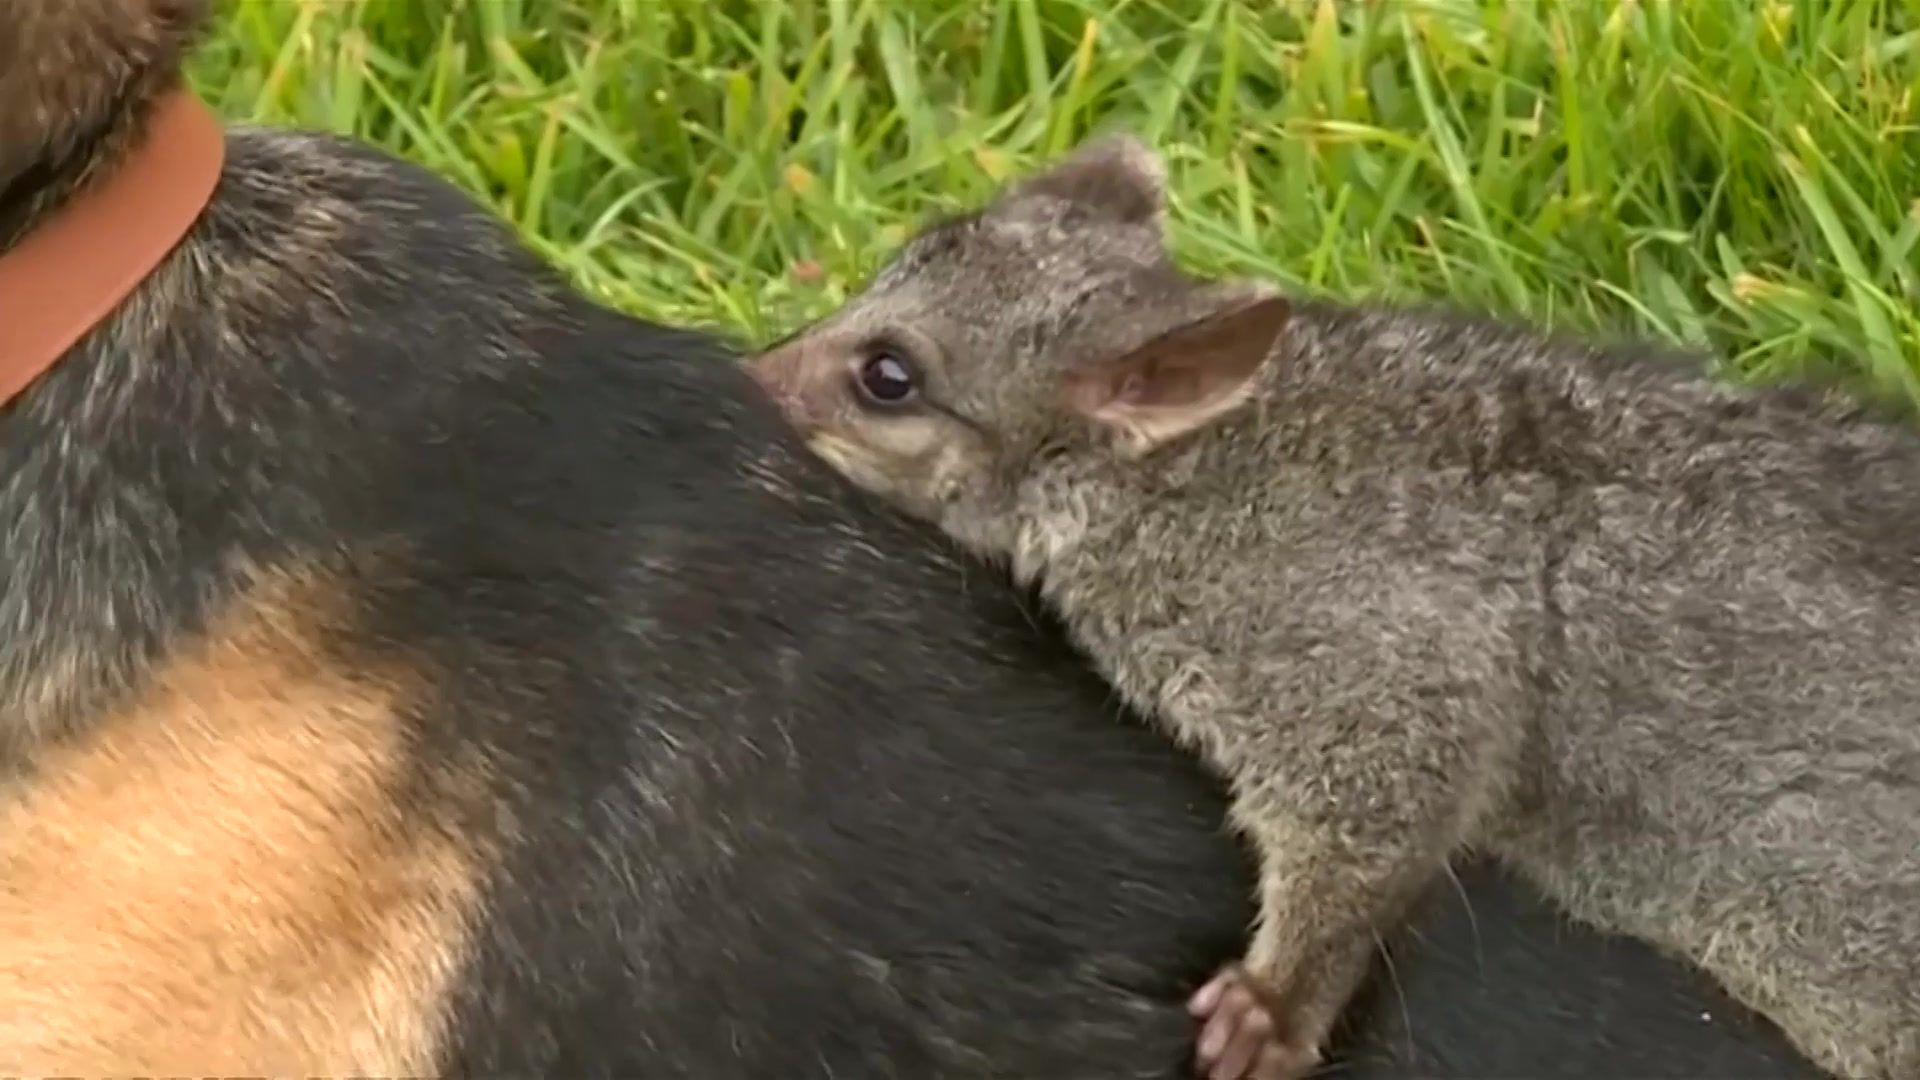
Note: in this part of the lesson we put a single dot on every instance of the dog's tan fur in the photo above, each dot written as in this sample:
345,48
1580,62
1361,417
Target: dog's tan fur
237,818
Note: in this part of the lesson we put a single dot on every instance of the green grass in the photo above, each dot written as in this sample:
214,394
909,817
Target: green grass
1734,174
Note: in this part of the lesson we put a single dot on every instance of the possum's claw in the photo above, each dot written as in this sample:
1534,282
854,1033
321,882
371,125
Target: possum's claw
1238,1038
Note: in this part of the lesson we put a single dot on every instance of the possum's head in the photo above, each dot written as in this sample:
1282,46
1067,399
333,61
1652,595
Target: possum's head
76,80
1050,324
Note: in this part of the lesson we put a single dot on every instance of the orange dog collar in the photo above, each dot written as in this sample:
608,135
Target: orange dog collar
71,271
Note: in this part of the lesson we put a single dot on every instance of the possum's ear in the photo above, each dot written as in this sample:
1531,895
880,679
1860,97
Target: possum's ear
1116,179
1183,379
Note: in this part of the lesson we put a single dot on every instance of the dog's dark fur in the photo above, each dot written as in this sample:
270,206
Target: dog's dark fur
410,667
72,75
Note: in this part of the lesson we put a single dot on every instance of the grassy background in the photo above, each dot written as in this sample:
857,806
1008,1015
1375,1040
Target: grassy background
1741,175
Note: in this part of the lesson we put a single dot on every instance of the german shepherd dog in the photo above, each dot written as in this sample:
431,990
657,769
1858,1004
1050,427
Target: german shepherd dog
410,667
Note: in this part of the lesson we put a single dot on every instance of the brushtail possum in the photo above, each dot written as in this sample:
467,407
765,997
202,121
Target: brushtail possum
1419,584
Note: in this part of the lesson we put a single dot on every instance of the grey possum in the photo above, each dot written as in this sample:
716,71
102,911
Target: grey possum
410,667
1421,584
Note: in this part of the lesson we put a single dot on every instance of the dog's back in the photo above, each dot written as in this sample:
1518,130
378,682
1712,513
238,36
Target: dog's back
430,671
411,667
806,807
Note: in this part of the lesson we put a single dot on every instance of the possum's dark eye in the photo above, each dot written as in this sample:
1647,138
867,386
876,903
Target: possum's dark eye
885,378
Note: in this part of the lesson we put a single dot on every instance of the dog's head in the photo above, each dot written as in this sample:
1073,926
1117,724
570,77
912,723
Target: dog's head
76,77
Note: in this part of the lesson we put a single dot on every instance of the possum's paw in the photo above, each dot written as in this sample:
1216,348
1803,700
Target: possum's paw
1239,1039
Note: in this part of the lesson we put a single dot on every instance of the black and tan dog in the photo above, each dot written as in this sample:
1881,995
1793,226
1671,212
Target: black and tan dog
407,667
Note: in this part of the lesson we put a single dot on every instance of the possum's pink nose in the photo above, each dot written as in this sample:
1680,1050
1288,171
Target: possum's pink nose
779,373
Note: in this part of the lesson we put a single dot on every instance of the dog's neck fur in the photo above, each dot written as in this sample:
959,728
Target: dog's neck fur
78,82
247,410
